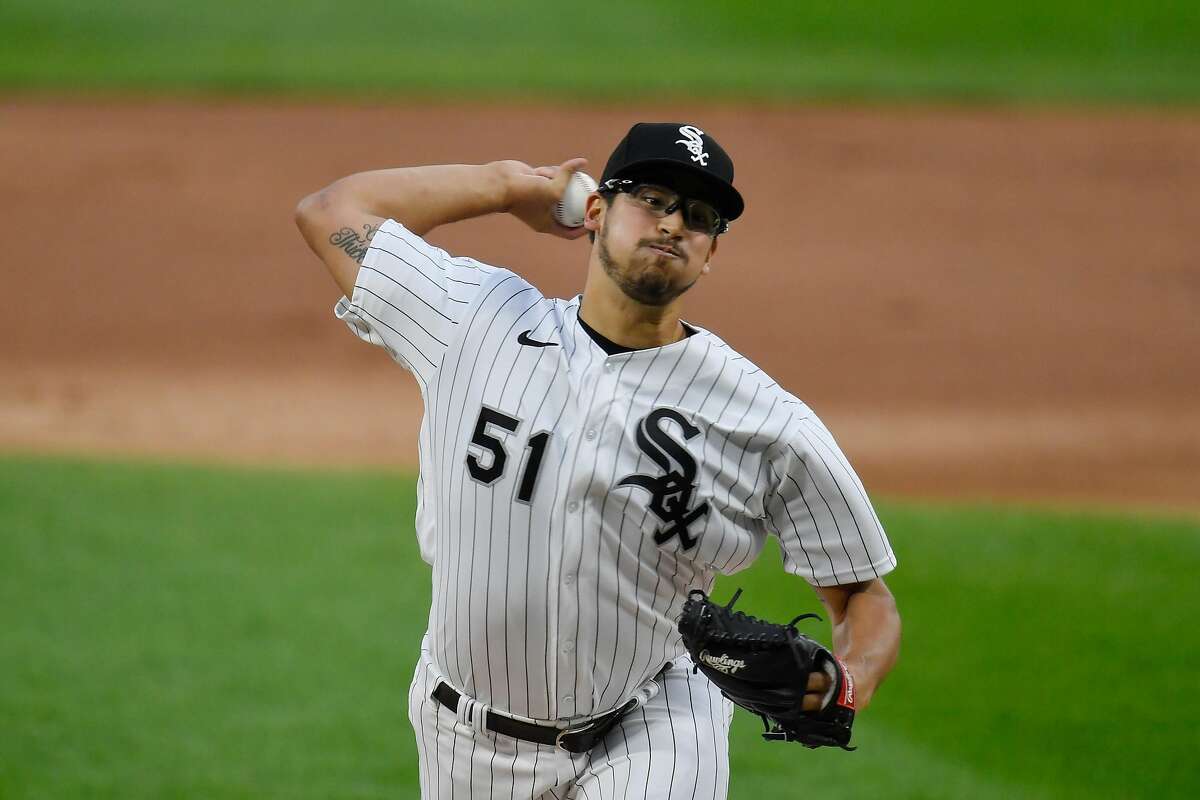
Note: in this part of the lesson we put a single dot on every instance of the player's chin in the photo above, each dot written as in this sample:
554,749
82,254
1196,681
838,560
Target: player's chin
654,288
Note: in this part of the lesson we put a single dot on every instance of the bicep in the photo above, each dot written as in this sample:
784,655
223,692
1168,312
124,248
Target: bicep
338,231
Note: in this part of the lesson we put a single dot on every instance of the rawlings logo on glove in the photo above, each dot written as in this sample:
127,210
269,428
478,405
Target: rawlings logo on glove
722,662
764,668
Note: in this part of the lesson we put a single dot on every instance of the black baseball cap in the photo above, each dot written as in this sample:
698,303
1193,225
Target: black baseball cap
684,157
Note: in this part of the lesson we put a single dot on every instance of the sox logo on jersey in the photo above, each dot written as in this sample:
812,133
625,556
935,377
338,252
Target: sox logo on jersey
670,493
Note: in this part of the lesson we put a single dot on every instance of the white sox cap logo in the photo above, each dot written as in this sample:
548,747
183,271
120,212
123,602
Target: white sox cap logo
694,142
722,663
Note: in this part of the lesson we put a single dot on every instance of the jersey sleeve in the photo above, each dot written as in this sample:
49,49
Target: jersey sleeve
409,297
827,528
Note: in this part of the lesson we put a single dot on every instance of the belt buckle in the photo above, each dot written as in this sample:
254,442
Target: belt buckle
558,740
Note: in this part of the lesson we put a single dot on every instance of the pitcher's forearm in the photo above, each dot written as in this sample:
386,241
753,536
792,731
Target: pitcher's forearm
867,639
423,198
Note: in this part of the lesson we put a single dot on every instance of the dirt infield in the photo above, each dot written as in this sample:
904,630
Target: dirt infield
980,303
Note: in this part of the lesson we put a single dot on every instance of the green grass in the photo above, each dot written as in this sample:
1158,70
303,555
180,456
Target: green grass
174,632
1124,50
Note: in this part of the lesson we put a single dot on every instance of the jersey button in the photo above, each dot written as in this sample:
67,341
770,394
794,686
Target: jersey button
568,646
568,698
569,578
573,506
590,435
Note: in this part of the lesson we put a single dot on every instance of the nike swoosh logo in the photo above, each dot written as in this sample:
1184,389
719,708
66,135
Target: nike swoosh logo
523,338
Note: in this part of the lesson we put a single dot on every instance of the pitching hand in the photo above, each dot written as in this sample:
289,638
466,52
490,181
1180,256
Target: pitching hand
533,192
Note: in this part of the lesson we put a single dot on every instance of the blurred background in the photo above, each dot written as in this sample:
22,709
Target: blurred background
970,245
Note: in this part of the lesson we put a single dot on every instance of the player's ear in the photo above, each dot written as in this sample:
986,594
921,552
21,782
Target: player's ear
712,251
593,212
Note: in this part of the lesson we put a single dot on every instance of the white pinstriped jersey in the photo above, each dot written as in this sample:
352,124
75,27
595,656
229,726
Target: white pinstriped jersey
569,499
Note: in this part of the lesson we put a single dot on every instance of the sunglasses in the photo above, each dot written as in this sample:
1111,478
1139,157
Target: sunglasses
661,202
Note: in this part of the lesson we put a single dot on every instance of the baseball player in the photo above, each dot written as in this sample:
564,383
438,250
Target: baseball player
584,464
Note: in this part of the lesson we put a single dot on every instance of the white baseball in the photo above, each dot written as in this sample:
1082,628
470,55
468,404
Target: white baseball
569,210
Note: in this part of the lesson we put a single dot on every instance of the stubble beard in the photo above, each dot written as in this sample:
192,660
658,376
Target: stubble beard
650,287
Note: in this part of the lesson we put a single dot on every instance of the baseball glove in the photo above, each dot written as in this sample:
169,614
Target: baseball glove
764,667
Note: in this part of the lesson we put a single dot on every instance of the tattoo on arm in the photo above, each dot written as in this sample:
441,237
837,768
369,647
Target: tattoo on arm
353,243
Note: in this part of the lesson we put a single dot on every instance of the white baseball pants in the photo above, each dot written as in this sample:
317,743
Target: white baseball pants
675,747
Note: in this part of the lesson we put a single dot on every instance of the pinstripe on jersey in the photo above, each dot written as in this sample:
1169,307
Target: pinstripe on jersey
568,499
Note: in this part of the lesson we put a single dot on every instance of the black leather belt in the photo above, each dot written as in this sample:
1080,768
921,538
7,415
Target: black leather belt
576,739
